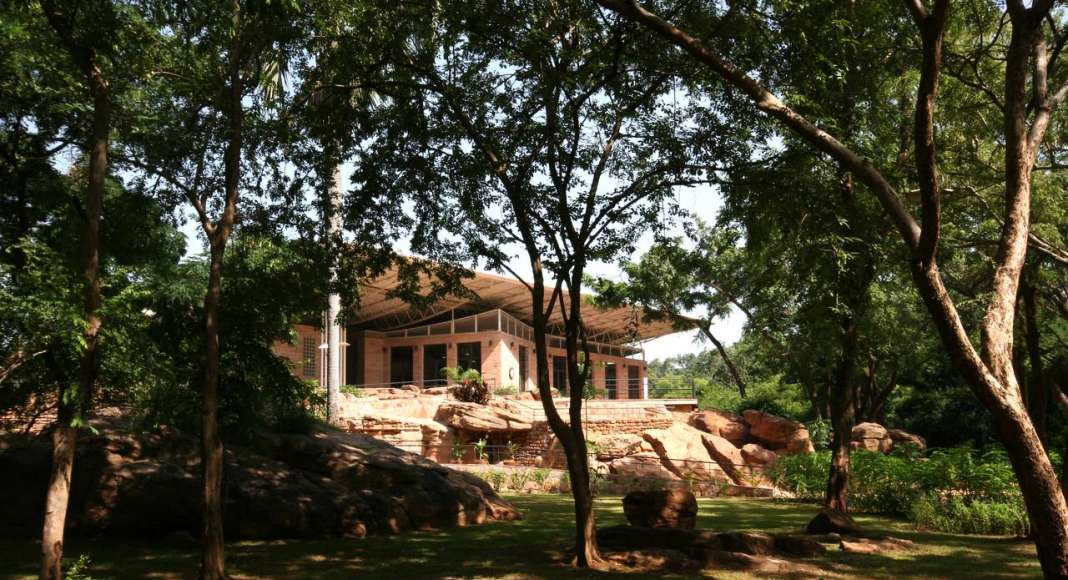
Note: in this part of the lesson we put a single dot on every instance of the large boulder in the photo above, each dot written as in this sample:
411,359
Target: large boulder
871,436
666,508
777,433
147,484
614,445
829,521
755,455
730,426
727,455
482,418
645,465
682,450
904,438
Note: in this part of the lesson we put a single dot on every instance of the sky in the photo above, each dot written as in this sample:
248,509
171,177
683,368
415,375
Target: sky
703,202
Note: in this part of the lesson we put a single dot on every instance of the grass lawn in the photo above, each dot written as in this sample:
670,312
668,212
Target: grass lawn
530,548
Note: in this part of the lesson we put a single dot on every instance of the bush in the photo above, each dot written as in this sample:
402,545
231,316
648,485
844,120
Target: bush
955,514
953,490
470,388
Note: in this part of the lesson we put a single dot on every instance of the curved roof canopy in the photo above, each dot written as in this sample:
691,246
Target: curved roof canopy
381,311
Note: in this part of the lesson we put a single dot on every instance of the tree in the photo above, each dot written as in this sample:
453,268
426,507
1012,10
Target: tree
550,133
677,283
988,369
216,85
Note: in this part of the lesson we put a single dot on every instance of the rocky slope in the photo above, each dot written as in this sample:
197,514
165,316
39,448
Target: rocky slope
128,484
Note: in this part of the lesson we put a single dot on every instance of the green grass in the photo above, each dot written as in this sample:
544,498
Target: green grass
532,548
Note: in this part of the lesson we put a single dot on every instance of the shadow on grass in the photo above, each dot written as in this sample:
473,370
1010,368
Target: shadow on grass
534,548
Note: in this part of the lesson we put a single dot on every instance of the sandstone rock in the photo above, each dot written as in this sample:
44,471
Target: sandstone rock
322,484
873,545
644,465
669,508
900,437
482,418
754,454
801,546
755,543
727,455
706,546
730,426
778,434
829,521
682,450
615,445
871,436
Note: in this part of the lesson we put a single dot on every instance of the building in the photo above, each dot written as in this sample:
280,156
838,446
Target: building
387,343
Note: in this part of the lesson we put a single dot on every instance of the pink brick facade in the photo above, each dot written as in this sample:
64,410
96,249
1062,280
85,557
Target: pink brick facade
370,355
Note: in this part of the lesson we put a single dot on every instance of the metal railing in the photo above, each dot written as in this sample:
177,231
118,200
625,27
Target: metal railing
673,388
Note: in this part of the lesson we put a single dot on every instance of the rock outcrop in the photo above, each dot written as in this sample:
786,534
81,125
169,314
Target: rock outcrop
829,521
483,418
875,437
320,484
730,426
667,508
682,451
777,433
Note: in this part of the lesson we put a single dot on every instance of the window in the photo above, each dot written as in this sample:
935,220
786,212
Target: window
633,382
610,380
560,374
469,355
308,359
433,362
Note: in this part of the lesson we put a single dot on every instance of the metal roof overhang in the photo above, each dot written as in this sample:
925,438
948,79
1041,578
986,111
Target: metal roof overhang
379,311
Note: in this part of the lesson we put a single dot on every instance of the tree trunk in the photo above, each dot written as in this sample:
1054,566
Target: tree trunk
77,403
333,307
213,560
735,375
1037,391
58,492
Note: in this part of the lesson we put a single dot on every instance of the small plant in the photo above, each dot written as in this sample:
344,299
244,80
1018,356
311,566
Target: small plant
506,390
496,480
458,451
519,478
820,432
352,390
564,483
79,569
480,449
541,475
470,387
513,449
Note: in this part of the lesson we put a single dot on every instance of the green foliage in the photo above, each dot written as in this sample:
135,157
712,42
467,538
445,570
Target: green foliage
457,452
957,515
480,449
955,490
496,479
80,568
506,390
469,385
518,479
541,475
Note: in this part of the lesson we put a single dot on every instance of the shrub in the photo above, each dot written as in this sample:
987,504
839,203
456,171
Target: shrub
955,514
541,475
506,390
518,479
953,490
469,385
496,480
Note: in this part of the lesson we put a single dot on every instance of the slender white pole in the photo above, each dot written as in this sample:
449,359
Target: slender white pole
333,303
